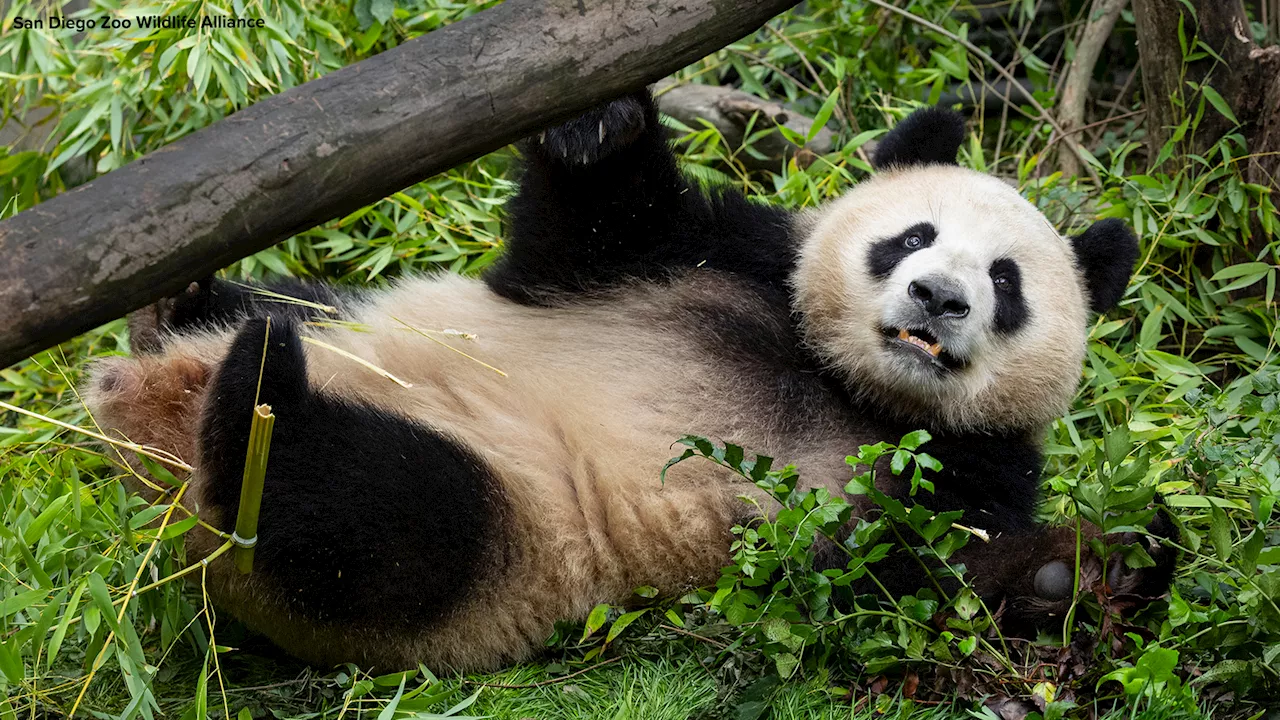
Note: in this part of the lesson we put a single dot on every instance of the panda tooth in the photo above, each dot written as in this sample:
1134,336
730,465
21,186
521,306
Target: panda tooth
934,349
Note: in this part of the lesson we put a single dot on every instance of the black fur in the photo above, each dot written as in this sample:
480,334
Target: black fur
1011,306
367,517
213,301
885,255
928,136
630,214
1106,253
1155,581
995,479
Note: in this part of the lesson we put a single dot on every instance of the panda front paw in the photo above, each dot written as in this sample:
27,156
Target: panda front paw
599,132
148,325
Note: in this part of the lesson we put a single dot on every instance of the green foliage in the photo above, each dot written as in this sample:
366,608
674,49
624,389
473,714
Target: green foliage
785,603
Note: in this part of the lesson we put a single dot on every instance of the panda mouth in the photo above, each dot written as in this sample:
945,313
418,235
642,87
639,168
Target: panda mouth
923,344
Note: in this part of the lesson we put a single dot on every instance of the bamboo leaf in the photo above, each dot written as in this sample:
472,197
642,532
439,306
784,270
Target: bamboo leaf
1218,103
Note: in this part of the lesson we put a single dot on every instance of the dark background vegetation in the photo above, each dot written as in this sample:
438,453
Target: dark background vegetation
1165,113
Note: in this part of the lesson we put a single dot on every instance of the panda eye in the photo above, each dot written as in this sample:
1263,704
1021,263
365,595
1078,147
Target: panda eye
914,242
1005,283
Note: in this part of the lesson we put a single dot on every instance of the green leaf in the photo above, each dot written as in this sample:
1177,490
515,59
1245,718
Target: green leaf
381,10
622,622
1241,269
824,114
21,601
102,600
1149,336
1218,103
951,67
60,632
175,529
11,660
1220,533
914,440
967,605
42,522
595,620
363,12
1158,664
324,28
117,120
389,711
786,663
1118,446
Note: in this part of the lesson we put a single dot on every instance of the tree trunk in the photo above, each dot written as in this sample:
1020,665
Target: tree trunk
1248,78
1075,89
329,146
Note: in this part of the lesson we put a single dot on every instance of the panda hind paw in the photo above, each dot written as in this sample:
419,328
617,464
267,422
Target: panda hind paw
597,133
1040,595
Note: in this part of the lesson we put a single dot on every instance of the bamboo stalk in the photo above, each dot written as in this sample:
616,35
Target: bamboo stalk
255,470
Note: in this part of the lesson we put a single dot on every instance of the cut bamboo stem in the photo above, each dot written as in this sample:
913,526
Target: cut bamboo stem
255,470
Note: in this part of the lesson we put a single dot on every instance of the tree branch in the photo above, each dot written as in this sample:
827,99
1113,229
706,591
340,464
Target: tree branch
1075,90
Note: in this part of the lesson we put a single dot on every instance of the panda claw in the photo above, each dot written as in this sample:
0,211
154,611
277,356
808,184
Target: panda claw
598,133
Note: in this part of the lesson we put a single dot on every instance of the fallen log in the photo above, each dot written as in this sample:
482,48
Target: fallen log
325,148
732,112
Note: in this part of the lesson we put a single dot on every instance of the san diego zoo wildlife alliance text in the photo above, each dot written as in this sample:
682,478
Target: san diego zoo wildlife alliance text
145,22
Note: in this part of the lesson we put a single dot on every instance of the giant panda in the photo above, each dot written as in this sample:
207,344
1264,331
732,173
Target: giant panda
510,478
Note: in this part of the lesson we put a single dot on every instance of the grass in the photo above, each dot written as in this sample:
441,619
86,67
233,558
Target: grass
1180,397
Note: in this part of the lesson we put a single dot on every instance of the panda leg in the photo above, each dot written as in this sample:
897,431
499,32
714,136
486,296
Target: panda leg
1032,572
602,200
367,519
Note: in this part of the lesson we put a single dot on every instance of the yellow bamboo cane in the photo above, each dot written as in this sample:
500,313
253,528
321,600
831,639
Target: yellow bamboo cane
255,470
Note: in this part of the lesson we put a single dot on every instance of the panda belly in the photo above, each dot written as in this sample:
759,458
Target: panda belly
571,410
574,409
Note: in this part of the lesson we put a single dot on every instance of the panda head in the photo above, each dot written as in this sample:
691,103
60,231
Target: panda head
946,298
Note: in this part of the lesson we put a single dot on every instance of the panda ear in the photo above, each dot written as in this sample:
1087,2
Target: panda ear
927,136
1105,254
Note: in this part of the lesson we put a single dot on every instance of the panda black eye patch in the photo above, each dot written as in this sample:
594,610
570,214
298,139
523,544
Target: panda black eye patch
1011,308
885,255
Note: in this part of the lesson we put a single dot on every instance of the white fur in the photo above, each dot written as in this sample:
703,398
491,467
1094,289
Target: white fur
1018,382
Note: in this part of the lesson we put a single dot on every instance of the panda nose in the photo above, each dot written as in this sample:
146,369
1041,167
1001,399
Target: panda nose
939,297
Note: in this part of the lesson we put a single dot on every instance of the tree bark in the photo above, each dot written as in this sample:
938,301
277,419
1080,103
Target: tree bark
329,146
1247,79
